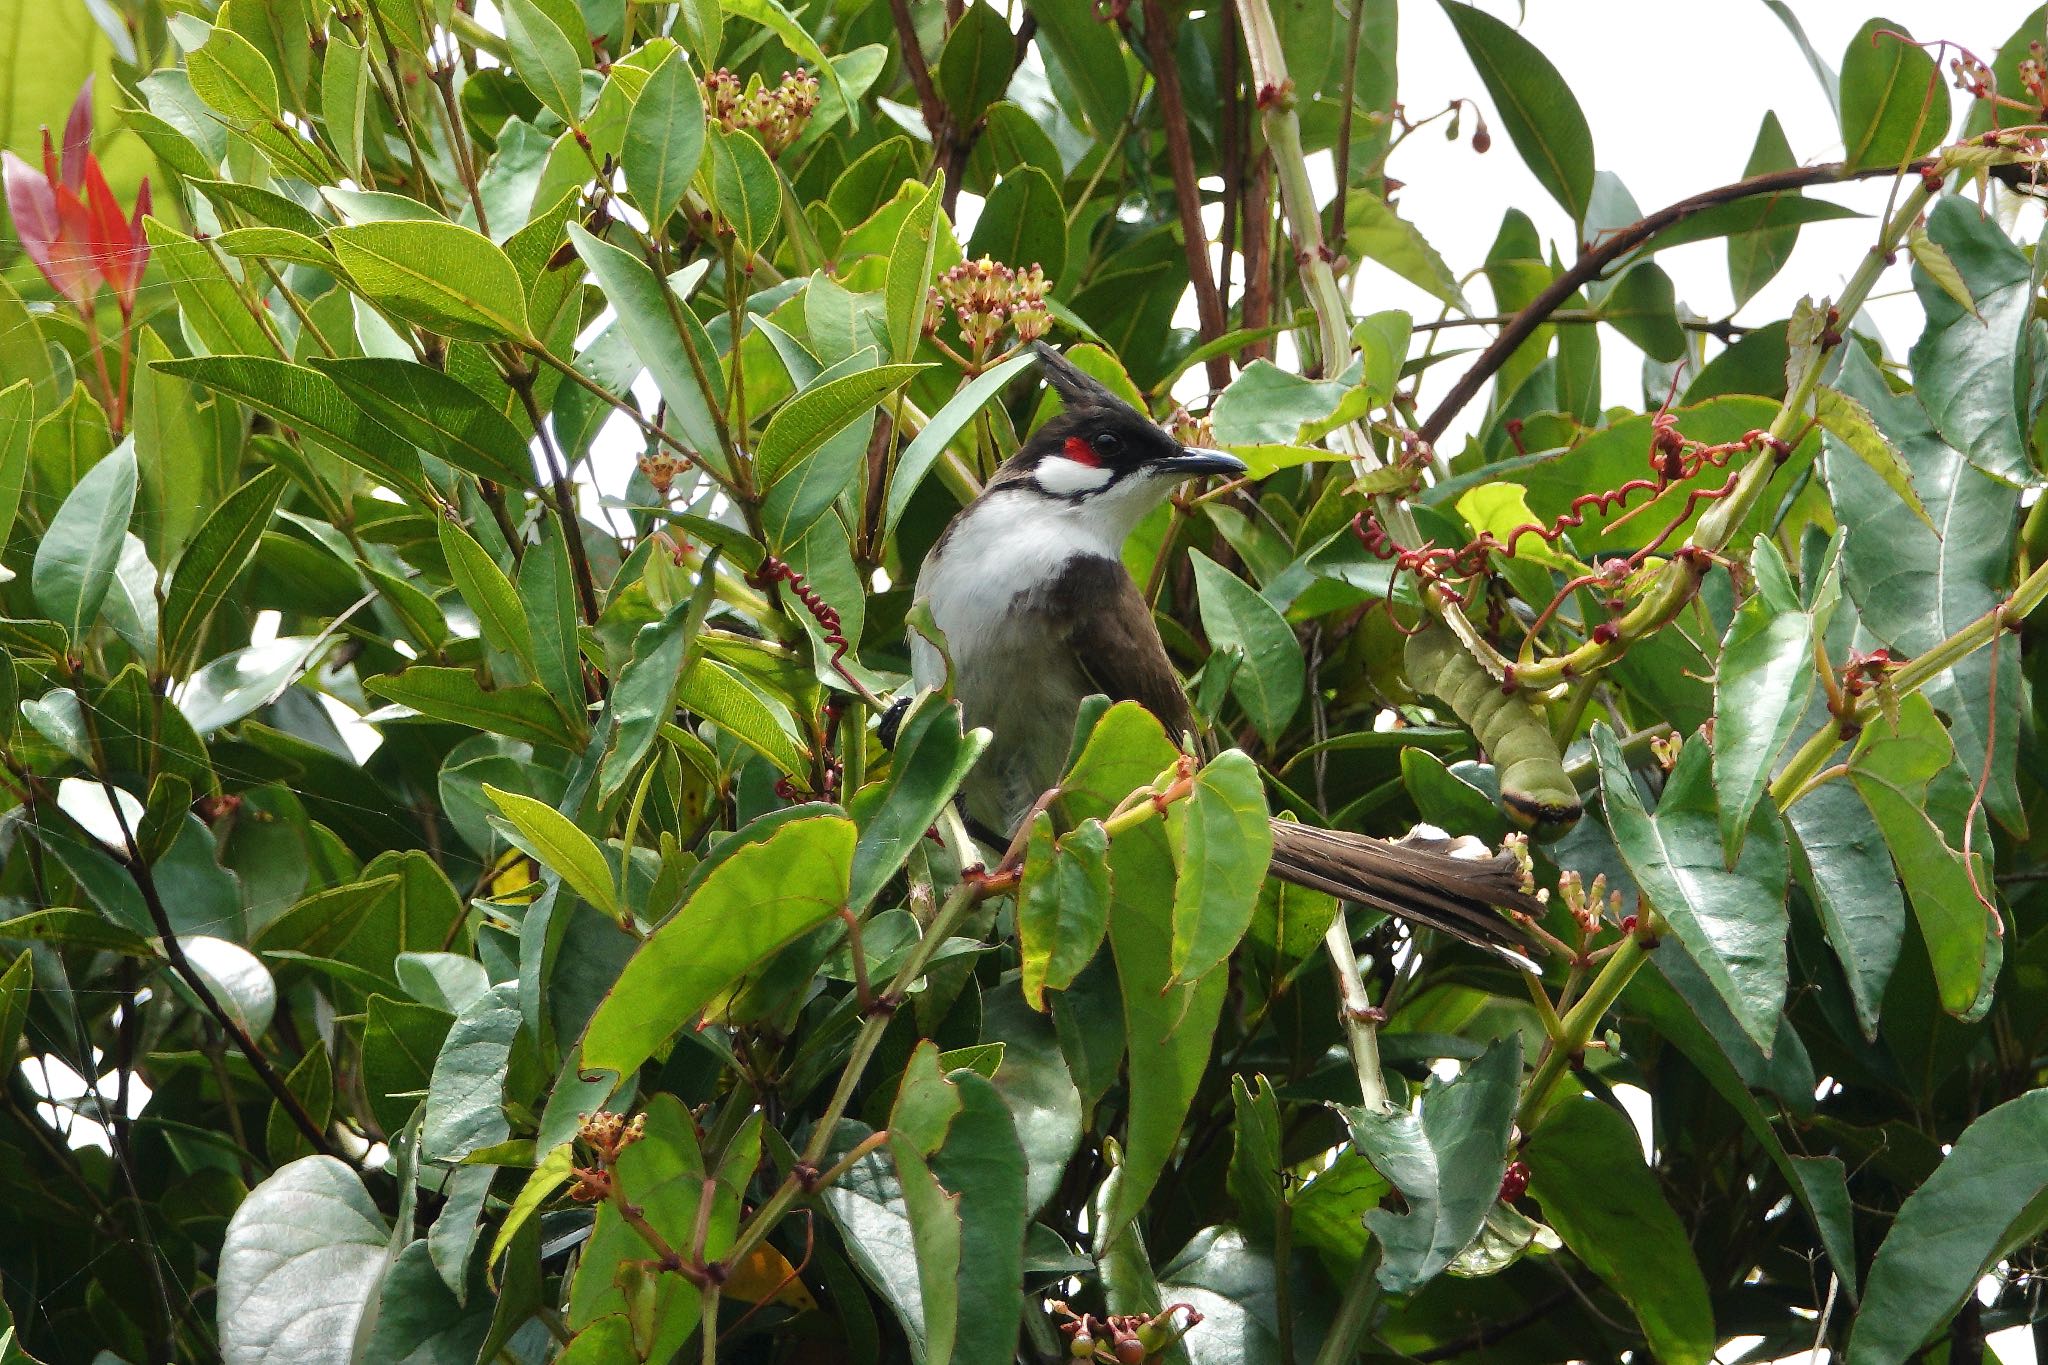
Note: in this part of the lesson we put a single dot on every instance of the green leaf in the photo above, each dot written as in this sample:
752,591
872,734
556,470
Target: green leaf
644,321
229,73
1970,364
1731,920
1255,1160
483,585
16,985
722,695
1921,798
1840,858
215,558
1756,256
820,412
183,447
907,283
974,66
932,756
963,1180
1447,1162
1894,102
1535,105
523,712
312,1083
1169,1023
924,450
765,895
1095,73
309,1234
17,423
546,59
1643,306
547,596
438,413
1915,588
209,305
1033,1080
1269,684
550,1174
1023,223
1062,905
1586,1169
1763,685
74,561
345,98
1852,428
420,1319
552,838
449,279
1981,1202
400,1042
664,139
1221,845
665,1171
645,698
312,403
746,193
794,36
465,1108
402,902
1373,230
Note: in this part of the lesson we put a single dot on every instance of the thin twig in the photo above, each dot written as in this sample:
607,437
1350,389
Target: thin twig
1187,193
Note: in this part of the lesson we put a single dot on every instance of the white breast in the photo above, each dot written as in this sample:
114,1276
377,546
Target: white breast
1013,674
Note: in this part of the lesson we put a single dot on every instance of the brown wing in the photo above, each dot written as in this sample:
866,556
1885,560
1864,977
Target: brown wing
1114,643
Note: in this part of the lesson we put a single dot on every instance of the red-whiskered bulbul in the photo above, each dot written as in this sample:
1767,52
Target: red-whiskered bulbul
1027,586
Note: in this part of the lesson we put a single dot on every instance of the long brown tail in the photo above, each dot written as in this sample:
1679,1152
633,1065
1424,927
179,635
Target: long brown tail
1417,879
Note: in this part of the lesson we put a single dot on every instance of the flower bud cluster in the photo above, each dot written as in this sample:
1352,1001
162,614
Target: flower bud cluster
988,297
776,116
1191,430
1588,904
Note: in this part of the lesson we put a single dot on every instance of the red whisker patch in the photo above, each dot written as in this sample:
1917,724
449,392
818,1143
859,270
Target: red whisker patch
1080,452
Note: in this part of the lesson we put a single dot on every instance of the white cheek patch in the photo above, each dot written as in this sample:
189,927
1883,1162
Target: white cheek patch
1066,478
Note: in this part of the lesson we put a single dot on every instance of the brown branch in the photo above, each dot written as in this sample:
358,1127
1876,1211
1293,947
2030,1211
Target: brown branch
1230,158
1187,193
938,120
1257,311
1619,243
521,379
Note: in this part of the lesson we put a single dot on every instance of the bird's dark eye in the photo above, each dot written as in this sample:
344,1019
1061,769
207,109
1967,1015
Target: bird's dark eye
1108,443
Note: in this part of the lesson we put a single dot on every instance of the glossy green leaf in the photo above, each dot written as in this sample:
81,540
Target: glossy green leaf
1915,587
1269,683
664,138
553,839
1763,686
1062,905
1756,256
1982,1201
948,422
1894,100
492,597
1970,364
644,699
1535,105
1586,1169
665,1172
932,756
308,1234
1447,1162
722,695
400,1042
763,896
1169,1023
16,984
438,413
345,98
465,1107
1850,425
1922,798
907,283
772,16
75,559
1374,231
820,412
974,66
311,1081
17,422
311,403
448,278
1221,845
215,558
210,307
547,596
644,320
523,711
1839,856
746,193
546,59
1731,920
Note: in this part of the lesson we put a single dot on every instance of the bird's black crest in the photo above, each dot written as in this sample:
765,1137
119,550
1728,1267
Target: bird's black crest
1076,389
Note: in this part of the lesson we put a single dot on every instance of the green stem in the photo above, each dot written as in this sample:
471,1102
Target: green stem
1585,1017
1679,578
1355,1312
1808,761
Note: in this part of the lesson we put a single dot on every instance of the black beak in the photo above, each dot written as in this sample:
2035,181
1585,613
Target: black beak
1195,461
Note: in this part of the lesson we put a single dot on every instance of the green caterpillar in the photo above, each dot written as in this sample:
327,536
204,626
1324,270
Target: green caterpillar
1535,793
